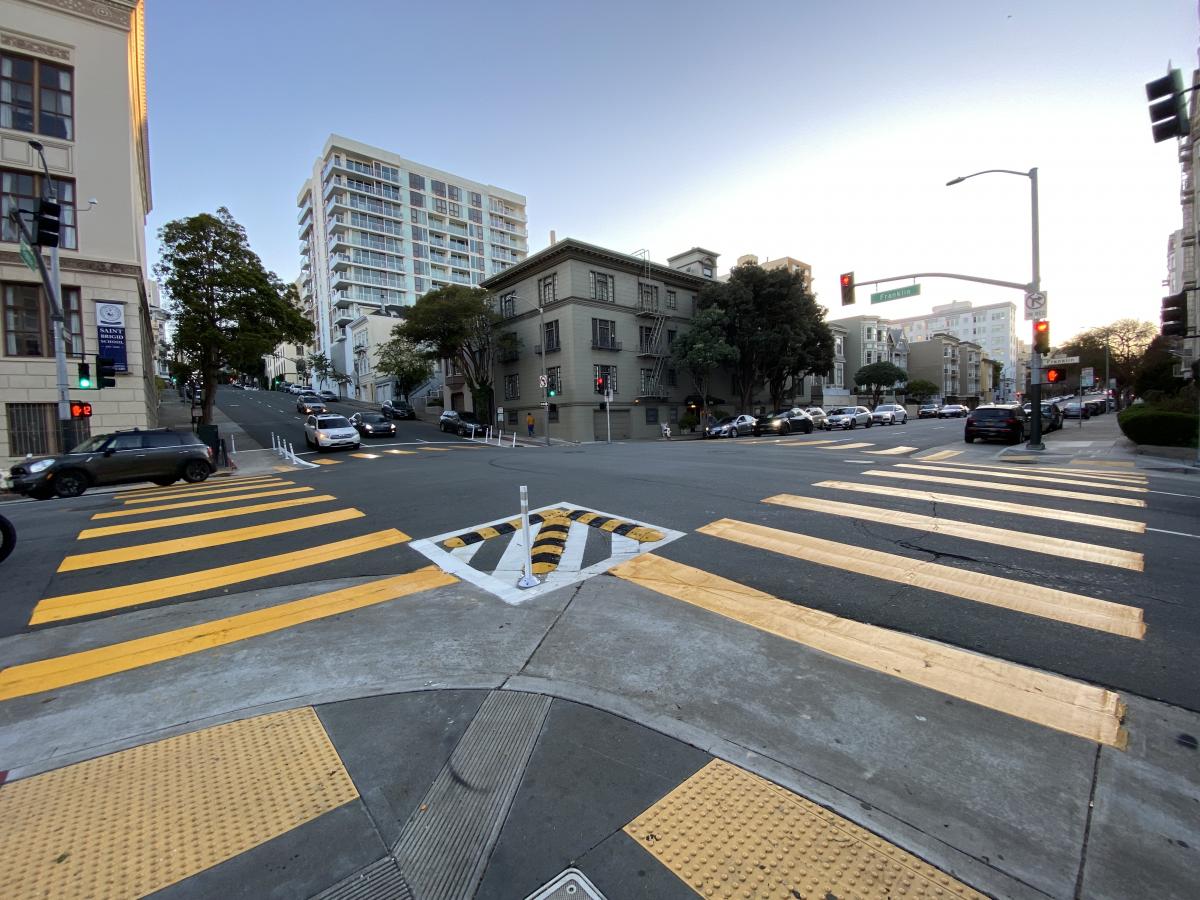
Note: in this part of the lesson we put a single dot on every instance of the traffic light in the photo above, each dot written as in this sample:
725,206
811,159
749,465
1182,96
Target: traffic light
601,384
847,288
1041,335
1168,107
48,219
551,393
1054,375
106,372
85,376
81,409
1174,315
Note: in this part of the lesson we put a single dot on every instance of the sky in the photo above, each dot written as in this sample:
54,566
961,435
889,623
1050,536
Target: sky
824,131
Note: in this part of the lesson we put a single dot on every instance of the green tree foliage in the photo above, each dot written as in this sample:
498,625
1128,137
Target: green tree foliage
458,323
703,349
878,377
1127,341
226,307
776,327
404,361
921,390
321,369
1155,371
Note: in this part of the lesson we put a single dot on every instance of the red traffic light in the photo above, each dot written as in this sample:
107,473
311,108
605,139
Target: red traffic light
80,410
847,283
1041,335
1055,375
1041,325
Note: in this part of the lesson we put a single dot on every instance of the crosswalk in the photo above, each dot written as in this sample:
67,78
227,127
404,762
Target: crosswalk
369,452
846,443
1017,595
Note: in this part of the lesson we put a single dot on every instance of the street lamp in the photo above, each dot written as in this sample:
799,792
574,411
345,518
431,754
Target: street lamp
1035,437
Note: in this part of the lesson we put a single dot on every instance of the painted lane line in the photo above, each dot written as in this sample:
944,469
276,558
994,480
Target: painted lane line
1004,593
891,451
853,446
187,504
1049,700
326,462
1020,509
1176,533
86,603
212,492
192,518
50,674
401,452
1001,537
1022,476
1009,488
941,454
203,541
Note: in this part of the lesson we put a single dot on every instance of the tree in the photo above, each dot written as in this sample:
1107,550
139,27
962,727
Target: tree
1127,341
879,376
321,368
774,324
702,349
1155,371
458,323
301,368
226,307
406,363
921,390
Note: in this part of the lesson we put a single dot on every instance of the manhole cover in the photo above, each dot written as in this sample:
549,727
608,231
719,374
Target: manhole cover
570,884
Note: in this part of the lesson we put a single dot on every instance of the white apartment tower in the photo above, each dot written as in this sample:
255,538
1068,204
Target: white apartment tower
993,327
377,231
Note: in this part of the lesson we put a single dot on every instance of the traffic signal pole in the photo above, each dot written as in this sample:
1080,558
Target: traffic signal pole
1035,286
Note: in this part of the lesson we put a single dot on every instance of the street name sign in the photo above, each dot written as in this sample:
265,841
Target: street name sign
28,257
1036,305
896,293
1061,361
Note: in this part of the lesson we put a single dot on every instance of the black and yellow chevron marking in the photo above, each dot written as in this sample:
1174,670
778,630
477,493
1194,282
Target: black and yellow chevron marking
491,531
640,533
549,544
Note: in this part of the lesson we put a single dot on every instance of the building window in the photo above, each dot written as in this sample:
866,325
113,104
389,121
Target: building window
671,335
604,334
647,381
651,415
839,375
512,387
673,415
36,96
508,305
672,300
24,325
837,347
25,189
548,289
610,372
551,336
33,428
476,200
672,378
454,193
438,188
73,326
415,199
475,215
554,379
416,182
602,287
708,271
648,295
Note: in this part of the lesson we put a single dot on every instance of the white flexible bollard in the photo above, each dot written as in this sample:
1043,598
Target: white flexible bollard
514,443
528,579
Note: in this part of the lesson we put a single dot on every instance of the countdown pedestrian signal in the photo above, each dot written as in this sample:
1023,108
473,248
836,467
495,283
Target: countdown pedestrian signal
1054,375
80,409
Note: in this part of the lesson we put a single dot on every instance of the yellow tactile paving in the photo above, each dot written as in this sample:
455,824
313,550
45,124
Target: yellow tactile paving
1112,485
203,541
1001,537
186,504
134,822
891,451
51,674
1021,509
86,603
283,468
1053,701
941,454
854,446
727,833
1009,488
207,491
192,518
1005,593
326,462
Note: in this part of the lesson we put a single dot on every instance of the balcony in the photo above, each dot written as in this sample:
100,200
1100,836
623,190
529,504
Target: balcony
511,355
306,224
343,317
339,261
605,344
305,209
647,307
550,348
650,348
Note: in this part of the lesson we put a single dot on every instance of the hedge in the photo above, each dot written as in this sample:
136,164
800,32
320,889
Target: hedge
1145,424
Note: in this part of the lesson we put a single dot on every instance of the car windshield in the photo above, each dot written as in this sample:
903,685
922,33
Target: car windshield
782,414
92,444
374,419
844,411
333,422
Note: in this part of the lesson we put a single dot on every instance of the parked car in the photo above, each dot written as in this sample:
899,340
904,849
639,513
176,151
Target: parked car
991,421
785,421
1051,416
1095,407
370,424
464,424
1076,410
848,417
952,411
310,405
929,410
732,426
327,432
397,409
329,396
890,414
816,414
159,455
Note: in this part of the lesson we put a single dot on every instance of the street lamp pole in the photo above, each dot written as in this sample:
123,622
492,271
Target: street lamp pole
1035,285
545,378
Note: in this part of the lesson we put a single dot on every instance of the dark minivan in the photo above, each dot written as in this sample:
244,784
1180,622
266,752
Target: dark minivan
1000,421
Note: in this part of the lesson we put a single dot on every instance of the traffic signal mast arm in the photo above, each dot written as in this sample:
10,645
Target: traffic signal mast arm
858,282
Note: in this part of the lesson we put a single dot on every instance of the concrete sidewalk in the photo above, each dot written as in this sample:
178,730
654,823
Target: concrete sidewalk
1100,440
246,455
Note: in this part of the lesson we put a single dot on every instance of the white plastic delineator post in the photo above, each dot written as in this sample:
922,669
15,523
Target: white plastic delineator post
514,443
292,454
527,580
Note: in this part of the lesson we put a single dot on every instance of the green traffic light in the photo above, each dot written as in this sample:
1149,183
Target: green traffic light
85,383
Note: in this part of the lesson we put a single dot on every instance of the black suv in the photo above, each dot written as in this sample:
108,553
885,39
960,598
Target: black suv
155,454
1000,420
397,409
463,424
784,422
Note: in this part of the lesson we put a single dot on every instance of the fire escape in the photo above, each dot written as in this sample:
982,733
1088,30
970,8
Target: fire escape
651,349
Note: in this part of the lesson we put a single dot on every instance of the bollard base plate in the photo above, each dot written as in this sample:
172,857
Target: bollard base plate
528,581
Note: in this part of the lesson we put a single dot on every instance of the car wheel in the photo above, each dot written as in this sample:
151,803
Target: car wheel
970,438
8,538
870,422
195,471
70,483
786,429
904,421
164,482
852,424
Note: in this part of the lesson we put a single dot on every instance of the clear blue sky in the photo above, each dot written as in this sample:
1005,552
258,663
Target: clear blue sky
820,130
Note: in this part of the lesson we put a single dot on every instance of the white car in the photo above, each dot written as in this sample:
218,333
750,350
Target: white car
847,417
890,414
328,432
816,414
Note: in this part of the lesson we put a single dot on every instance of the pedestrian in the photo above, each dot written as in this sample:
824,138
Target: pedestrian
529,423
666,431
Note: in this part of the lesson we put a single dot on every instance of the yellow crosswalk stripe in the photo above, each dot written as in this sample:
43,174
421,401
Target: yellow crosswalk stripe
1040,697
1025,476
201,486
1004,537
1009,488
1087,474
86,603
891,451
1021,509
192,518
50,674
283,469
1031,599
434,449
326,462
853,446
1114,463
365,455
203,541
210,501
941,454
211,492
401,452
